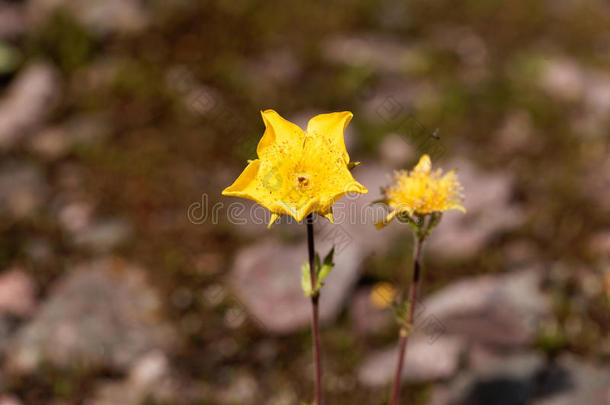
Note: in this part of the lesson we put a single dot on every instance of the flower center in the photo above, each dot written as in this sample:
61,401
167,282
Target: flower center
302,181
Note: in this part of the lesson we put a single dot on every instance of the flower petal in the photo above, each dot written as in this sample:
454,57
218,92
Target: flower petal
424,165
328,129
282,138
244,182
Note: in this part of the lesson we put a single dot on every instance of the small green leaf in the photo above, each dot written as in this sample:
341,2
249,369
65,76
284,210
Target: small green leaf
328,265
306,279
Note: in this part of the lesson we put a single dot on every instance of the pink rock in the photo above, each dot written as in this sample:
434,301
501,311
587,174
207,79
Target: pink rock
424,361
27,103
17,293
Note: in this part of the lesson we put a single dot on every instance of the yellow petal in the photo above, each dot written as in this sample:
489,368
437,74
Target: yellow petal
328,129
274,217
424,165
329,215
281,137
244,182
386,220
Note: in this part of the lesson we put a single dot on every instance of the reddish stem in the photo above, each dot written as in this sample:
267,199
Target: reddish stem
314,308
404,330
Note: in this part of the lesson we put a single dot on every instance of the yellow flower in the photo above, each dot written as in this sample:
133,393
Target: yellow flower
423,191
382,295
299,172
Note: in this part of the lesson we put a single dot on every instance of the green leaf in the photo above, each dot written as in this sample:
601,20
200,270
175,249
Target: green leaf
306,279
327,266
322,271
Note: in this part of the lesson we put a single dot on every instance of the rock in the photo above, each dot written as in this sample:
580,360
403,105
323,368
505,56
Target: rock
499,310
27,102
424,361
374,52
266,275
366,317
50,143
76,216
103,235
148,378
100,314
489,211
517,133
502,380
563,79
271,70
524,377
198,98
12,20
579,383
101,17
55,142
9,400
395,151
17,293
22,190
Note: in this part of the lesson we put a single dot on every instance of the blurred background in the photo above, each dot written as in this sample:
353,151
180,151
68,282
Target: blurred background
127,279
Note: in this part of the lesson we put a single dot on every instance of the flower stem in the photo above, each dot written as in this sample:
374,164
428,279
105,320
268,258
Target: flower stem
314,307
404,329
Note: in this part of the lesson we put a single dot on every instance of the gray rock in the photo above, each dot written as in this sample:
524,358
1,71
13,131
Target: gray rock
22,190
27,102
517,378
54,142
271,70
149,377
424,361
502,380
517,133
103,235
369,51
499,310
583,383
395,151
102,17
366,318
101,314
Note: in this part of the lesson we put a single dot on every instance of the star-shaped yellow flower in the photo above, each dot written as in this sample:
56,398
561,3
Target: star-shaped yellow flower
299,172
422,192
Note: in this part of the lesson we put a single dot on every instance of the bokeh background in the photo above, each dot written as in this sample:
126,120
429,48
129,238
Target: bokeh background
127,279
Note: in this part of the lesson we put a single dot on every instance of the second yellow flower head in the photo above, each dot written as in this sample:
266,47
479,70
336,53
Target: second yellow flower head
422,191
299,172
